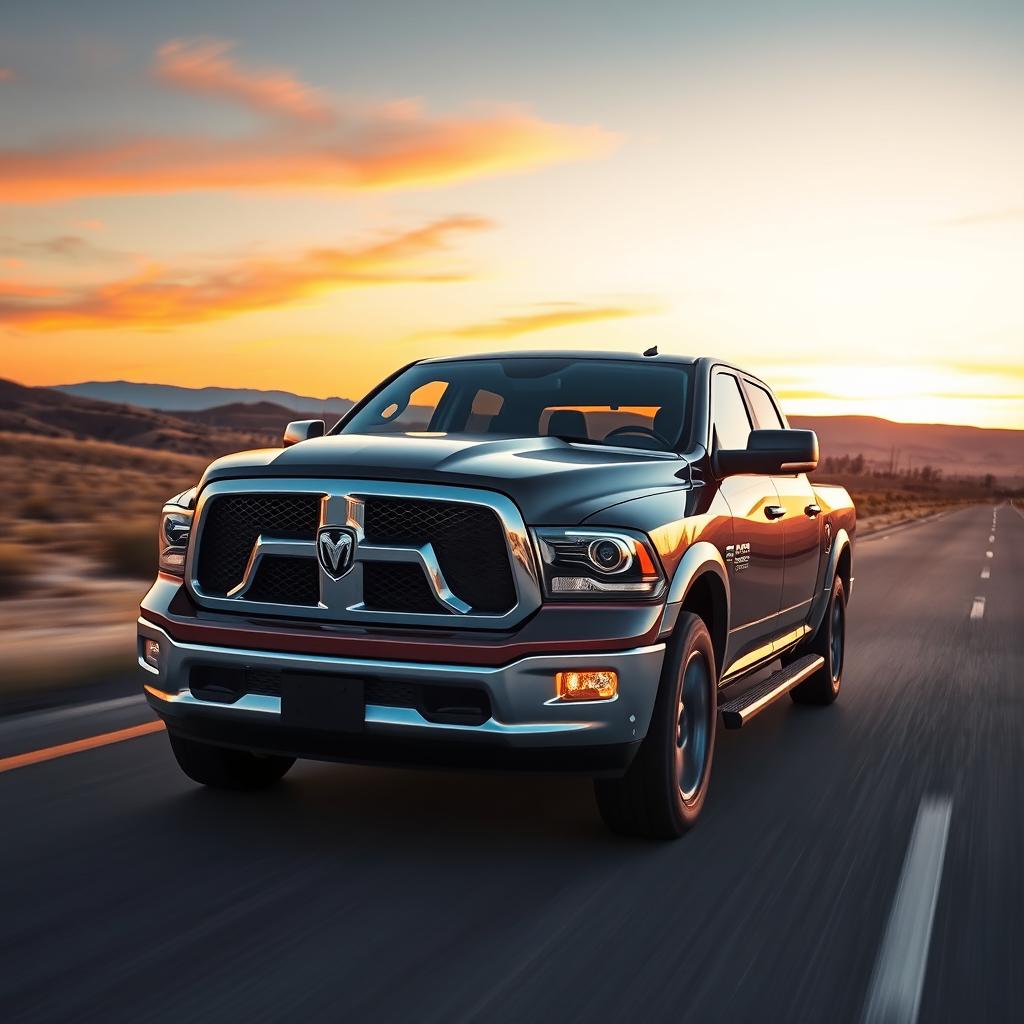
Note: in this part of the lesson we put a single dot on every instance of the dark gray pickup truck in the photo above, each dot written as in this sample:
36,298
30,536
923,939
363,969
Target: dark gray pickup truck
556,561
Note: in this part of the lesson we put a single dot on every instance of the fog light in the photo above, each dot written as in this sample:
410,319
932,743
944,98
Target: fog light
596,684
151,653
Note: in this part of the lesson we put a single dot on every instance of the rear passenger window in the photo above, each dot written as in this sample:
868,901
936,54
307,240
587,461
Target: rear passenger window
765,412
732,424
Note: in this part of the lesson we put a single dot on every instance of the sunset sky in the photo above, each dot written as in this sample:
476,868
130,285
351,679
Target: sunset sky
306,195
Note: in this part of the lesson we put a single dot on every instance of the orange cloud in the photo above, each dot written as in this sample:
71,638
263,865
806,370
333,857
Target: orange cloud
323,145
60,246
158,296
6,75
202,67
1013,214
562,315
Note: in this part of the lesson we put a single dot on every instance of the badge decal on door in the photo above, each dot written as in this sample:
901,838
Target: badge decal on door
739,555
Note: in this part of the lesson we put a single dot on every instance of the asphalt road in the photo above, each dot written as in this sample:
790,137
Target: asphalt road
126,893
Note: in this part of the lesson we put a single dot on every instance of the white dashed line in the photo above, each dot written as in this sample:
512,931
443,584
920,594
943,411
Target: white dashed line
988,554
978,608
991,537
986,572
894,996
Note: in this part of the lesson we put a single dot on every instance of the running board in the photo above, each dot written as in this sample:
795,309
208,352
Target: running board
738,711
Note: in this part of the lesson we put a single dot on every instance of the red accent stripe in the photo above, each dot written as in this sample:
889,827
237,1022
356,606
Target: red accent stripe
295,641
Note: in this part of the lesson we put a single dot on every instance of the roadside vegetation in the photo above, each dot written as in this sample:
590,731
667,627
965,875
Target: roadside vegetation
887,495
78,522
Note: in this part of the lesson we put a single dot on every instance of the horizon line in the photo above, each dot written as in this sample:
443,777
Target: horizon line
342,398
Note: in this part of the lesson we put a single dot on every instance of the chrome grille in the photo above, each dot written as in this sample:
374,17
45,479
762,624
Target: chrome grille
423,554
467,539
232,524
398,587
284,579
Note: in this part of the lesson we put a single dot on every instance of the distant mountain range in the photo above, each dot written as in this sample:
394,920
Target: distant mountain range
47,412
170,398
250,419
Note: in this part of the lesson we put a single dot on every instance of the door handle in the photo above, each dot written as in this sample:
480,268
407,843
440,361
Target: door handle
774,511
812,510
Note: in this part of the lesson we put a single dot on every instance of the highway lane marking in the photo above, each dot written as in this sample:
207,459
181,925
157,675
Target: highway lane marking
991,538
894,996
8,764
986,572
988,554
978,608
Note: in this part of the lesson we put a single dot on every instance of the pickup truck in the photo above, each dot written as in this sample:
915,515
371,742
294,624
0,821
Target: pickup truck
559,561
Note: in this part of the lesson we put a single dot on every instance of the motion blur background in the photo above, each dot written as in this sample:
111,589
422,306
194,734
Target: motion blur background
299,198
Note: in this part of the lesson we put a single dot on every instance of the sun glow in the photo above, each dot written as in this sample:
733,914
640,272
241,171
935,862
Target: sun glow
840,212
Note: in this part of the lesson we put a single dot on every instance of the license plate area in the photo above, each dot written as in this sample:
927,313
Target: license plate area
311,700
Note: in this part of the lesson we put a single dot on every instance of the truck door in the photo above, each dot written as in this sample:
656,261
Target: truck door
755,560
801,526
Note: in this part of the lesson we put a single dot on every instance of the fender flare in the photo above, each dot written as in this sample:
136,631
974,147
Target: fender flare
840,543
700,558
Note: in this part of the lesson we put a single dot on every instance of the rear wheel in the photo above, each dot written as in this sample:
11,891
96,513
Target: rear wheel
223,768
662,793
830,642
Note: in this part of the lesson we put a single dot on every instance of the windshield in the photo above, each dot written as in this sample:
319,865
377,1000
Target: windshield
596,401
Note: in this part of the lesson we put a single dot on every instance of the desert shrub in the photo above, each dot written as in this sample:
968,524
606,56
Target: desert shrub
35,533
40,504
15,569
129,549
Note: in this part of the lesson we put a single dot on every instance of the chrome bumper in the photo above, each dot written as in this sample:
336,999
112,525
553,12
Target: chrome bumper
525,712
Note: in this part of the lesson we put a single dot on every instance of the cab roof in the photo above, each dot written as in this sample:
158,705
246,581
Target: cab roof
576,354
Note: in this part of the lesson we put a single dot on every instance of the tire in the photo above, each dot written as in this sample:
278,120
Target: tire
830,642
663,791
223,768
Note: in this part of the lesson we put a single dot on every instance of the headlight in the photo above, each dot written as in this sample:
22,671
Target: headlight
579,562
175,530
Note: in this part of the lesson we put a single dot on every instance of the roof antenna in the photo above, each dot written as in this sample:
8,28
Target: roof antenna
652,351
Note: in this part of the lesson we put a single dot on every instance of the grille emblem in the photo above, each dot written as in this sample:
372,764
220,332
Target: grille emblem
335,546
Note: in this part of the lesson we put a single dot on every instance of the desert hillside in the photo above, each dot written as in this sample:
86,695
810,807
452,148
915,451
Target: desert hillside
956,450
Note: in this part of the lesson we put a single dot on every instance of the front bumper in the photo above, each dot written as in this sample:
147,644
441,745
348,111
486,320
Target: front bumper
528,726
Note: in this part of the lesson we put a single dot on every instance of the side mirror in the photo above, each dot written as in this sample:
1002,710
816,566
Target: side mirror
303,430
769,452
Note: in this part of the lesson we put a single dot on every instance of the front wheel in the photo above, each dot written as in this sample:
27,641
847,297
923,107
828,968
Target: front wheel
223,768
662,793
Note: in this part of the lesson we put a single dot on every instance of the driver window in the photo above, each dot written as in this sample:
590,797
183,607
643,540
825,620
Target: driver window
732,424
416,412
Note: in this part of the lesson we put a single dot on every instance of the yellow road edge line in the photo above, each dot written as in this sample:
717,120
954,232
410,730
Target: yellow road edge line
8,764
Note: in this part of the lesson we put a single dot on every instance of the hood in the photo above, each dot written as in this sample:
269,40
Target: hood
553,482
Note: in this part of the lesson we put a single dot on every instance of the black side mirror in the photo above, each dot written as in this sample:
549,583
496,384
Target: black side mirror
303,430
769,452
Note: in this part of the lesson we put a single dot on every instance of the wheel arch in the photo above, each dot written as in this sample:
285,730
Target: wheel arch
701,586
840,562
844,566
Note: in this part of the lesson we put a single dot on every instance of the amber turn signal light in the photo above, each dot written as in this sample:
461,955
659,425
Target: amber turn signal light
595,684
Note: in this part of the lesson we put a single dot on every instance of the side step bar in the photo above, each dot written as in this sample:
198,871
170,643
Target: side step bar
738,711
